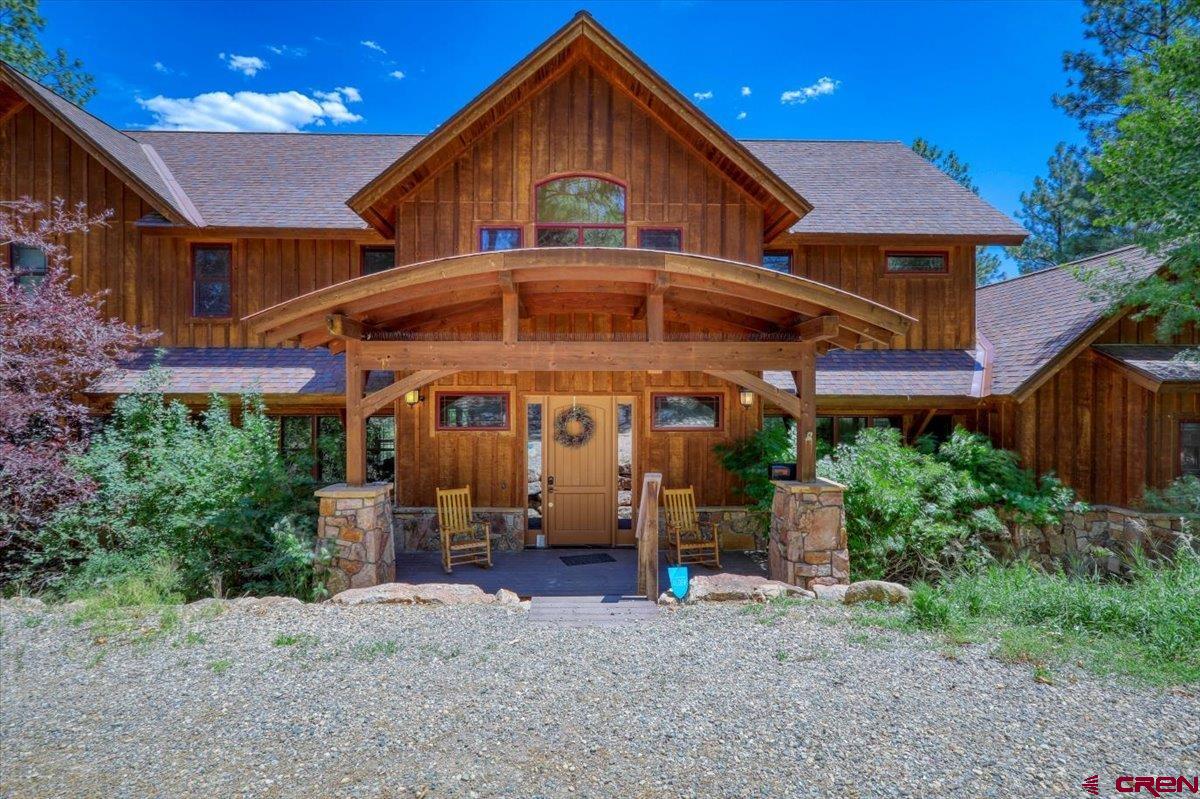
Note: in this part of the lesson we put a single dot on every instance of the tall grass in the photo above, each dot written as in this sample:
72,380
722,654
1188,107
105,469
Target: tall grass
1147,627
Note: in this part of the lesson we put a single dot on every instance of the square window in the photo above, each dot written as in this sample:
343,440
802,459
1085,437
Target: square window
499,238
472,411
919,263
603,237
212,272
29,265
557,237
377,259
778,261
685,411
670,239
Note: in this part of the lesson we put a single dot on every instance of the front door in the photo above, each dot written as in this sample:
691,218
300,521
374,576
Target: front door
580,471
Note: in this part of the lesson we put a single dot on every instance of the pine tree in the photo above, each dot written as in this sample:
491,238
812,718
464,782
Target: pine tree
20,24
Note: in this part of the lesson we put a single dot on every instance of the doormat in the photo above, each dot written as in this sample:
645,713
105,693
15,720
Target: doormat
584,560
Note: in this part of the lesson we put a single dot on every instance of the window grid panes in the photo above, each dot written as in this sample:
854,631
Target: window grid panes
778,261
686,411
624,466
212,293
499,238
472,411
670,239
533,468
29,265
916,262
580,211
1189,448
377,259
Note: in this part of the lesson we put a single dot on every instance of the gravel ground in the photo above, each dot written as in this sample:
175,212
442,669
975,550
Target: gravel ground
390,701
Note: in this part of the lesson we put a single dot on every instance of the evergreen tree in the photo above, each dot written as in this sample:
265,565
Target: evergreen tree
20,25
987,263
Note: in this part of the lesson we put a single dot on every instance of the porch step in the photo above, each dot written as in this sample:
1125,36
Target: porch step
590,611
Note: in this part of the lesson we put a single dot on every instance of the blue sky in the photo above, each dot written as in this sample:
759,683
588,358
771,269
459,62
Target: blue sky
975,77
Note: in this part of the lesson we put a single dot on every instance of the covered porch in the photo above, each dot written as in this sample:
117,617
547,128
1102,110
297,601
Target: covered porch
639,314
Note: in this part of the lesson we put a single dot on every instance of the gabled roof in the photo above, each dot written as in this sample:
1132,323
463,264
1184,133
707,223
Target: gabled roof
584,38
880,188
891,373
1038,321
276,180
138,166
1154,365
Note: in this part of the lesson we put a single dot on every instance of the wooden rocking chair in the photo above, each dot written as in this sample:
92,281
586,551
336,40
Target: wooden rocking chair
464,540
685,535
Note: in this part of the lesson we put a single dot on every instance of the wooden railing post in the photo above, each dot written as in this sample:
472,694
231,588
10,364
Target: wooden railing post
647,536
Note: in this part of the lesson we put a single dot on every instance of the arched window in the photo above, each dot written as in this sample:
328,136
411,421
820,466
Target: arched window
580,211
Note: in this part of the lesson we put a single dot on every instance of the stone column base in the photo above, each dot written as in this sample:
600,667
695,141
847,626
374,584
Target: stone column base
357,522
807,544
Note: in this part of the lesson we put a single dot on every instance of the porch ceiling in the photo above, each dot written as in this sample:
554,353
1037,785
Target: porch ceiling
737,299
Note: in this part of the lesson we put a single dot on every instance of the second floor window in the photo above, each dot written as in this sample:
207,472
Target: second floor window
499,238
580,211
660,239
916,263
212,280
377,259
29,265
778,261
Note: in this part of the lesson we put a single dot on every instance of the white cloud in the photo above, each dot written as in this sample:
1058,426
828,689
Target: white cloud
397,74
161,67
248,65
745,91
287,49
742,115
823,86
702,96
252,111
372,45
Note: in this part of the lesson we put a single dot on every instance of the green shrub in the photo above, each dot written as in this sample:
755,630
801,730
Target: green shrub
1181,496
748,459
208,495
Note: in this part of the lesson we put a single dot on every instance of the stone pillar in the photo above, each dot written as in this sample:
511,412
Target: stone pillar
356,521
807,544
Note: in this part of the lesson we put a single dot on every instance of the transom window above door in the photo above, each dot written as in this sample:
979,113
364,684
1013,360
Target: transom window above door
580,211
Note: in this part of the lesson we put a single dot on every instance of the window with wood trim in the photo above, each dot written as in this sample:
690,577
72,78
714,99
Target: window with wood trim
316,445
472,411
778,260
29,265
212,280
685,412
377,259
658,238
897,262
1189,448
499,238
580,211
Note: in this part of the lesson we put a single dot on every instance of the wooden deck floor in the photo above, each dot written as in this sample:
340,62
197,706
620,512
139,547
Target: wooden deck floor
542,573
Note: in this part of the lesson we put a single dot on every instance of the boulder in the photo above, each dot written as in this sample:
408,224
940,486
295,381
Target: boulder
506,597
740,588
877,591
421,594
830,593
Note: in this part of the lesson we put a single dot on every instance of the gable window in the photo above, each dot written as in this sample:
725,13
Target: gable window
670,239
685,412
377,259
29,265
472,411
580,211
778,261
1189,448
916,263
499,238
212,280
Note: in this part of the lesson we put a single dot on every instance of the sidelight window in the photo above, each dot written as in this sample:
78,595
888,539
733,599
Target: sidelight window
580,211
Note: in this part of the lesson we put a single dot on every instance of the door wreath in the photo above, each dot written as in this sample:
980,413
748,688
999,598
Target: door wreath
574,427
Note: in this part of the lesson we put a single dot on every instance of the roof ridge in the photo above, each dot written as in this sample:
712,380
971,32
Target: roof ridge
1057,267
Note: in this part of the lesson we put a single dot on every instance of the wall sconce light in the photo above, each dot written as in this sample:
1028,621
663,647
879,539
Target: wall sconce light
746,397
413,397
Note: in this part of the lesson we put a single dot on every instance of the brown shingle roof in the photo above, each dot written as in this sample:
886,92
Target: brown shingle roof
281,180
1031,319
890,373
1156,362
879,187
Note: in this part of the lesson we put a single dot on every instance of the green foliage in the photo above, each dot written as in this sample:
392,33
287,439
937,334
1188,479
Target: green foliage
1149,179
749,459
1148,627
211,496
20,25
1182,497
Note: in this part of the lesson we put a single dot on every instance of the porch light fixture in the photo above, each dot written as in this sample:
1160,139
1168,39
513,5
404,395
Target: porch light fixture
746,397
413,397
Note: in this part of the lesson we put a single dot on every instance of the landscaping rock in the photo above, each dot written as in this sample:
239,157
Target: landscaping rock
506,597
739,588
422,594
666,598
877,591
830,593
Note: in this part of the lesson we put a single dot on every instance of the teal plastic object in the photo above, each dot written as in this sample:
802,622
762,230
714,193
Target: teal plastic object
678,575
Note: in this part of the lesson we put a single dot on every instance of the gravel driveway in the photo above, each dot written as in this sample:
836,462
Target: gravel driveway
390,701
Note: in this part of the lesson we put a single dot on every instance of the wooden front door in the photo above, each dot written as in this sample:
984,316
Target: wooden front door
581,479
